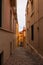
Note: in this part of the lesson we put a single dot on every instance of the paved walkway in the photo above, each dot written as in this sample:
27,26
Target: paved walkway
21,57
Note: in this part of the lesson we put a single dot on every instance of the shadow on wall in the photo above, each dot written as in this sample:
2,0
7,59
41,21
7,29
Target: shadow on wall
1,58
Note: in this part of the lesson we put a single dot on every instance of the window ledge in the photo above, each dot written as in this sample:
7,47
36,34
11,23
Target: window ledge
6,30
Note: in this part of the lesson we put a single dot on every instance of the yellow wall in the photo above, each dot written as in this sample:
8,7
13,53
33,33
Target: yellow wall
17,34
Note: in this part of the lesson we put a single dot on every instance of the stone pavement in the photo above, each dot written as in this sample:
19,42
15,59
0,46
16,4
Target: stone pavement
21,57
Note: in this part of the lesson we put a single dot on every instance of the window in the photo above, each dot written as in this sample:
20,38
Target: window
32,4
32,32
10,20
0,13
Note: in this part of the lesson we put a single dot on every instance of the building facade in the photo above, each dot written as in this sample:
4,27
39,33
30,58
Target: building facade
24,37
34,24
20,38
17,34
8,17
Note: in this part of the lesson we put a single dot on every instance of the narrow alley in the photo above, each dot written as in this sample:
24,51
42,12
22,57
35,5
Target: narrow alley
21,57
21,32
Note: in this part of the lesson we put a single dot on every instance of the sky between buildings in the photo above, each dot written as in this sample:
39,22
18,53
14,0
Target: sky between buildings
21,9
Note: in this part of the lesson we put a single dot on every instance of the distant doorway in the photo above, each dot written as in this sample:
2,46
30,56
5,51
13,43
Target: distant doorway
21,44
10,48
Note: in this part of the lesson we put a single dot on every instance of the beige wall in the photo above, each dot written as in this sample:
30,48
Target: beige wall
7,34
36,19
6,14
5,39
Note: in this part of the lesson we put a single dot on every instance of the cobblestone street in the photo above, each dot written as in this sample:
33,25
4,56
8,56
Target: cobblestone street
20,57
